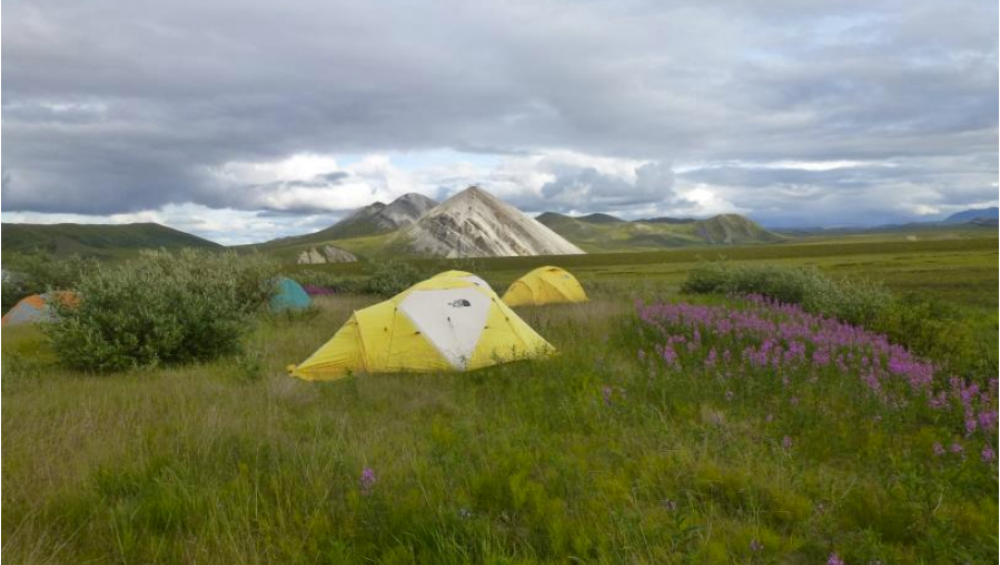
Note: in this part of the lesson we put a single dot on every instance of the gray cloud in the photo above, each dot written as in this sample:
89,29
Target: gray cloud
112,107
653,185
888,192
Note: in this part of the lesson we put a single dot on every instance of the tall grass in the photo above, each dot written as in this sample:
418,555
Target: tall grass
601,454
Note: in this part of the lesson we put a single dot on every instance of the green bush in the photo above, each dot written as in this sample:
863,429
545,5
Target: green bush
387,279
392,277
161,308
339,283
944,333
858,302
931,329
38,273
12,293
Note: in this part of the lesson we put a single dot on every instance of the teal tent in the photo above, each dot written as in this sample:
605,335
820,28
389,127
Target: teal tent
290,296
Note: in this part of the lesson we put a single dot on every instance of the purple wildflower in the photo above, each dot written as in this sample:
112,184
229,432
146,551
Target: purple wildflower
765,338
316,290
711,359
368,480
970,425
756,546
938,449
957,448
834,560
988,455
607,392
786,442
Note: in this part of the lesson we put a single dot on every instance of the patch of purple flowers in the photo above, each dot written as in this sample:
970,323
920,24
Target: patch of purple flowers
765,338
315,290
368,480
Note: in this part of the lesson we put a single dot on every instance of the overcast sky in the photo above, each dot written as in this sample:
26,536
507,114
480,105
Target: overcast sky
247,120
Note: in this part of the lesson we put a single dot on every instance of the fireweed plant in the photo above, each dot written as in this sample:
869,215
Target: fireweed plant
803,363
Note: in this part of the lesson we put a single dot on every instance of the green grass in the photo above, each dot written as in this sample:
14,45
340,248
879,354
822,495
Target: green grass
619,236
234,462
103,241
363,247
954,269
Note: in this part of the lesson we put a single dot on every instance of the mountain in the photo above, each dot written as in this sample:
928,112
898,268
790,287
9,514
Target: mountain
985,222
373,219
325,254
666,220
405,210
595,218
100,240
598,218
979,215
657,232
474,223
732,229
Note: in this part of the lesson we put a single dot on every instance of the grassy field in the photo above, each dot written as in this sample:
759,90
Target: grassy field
597,455
107,242
604,236
956,269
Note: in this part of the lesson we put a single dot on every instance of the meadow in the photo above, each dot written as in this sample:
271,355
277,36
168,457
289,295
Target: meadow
659,434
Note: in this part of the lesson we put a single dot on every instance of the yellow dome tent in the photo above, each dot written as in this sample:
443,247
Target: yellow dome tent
544,285
451,322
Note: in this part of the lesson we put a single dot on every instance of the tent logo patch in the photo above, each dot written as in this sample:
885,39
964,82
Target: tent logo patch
461,303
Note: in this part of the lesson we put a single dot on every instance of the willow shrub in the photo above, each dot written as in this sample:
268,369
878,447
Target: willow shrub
931,329
162,308
392,277
855,301
36,273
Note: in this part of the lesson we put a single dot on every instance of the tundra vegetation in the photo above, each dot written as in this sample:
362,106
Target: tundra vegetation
161,308
836,404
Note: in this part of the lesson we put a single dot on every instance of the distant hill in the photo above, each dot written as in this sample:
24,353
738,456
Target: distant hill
978,215
985,222
666,220
474,223
98,240
598,218
374,219
725,229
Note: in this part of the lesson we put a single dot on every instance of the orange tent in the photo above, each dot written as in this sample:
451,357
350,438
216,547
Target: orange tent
38,307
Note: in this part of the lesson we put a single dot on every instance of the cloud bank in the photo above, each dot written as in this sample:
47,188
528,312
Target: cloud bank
295,112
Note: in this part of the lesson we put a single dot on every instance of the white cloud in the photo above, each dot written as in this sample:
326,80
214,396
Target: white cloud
225,226
800,108
303,166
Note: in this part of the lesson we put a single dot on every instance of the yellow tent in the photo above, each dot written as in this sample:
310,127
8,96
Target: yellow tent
451,322
544,285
